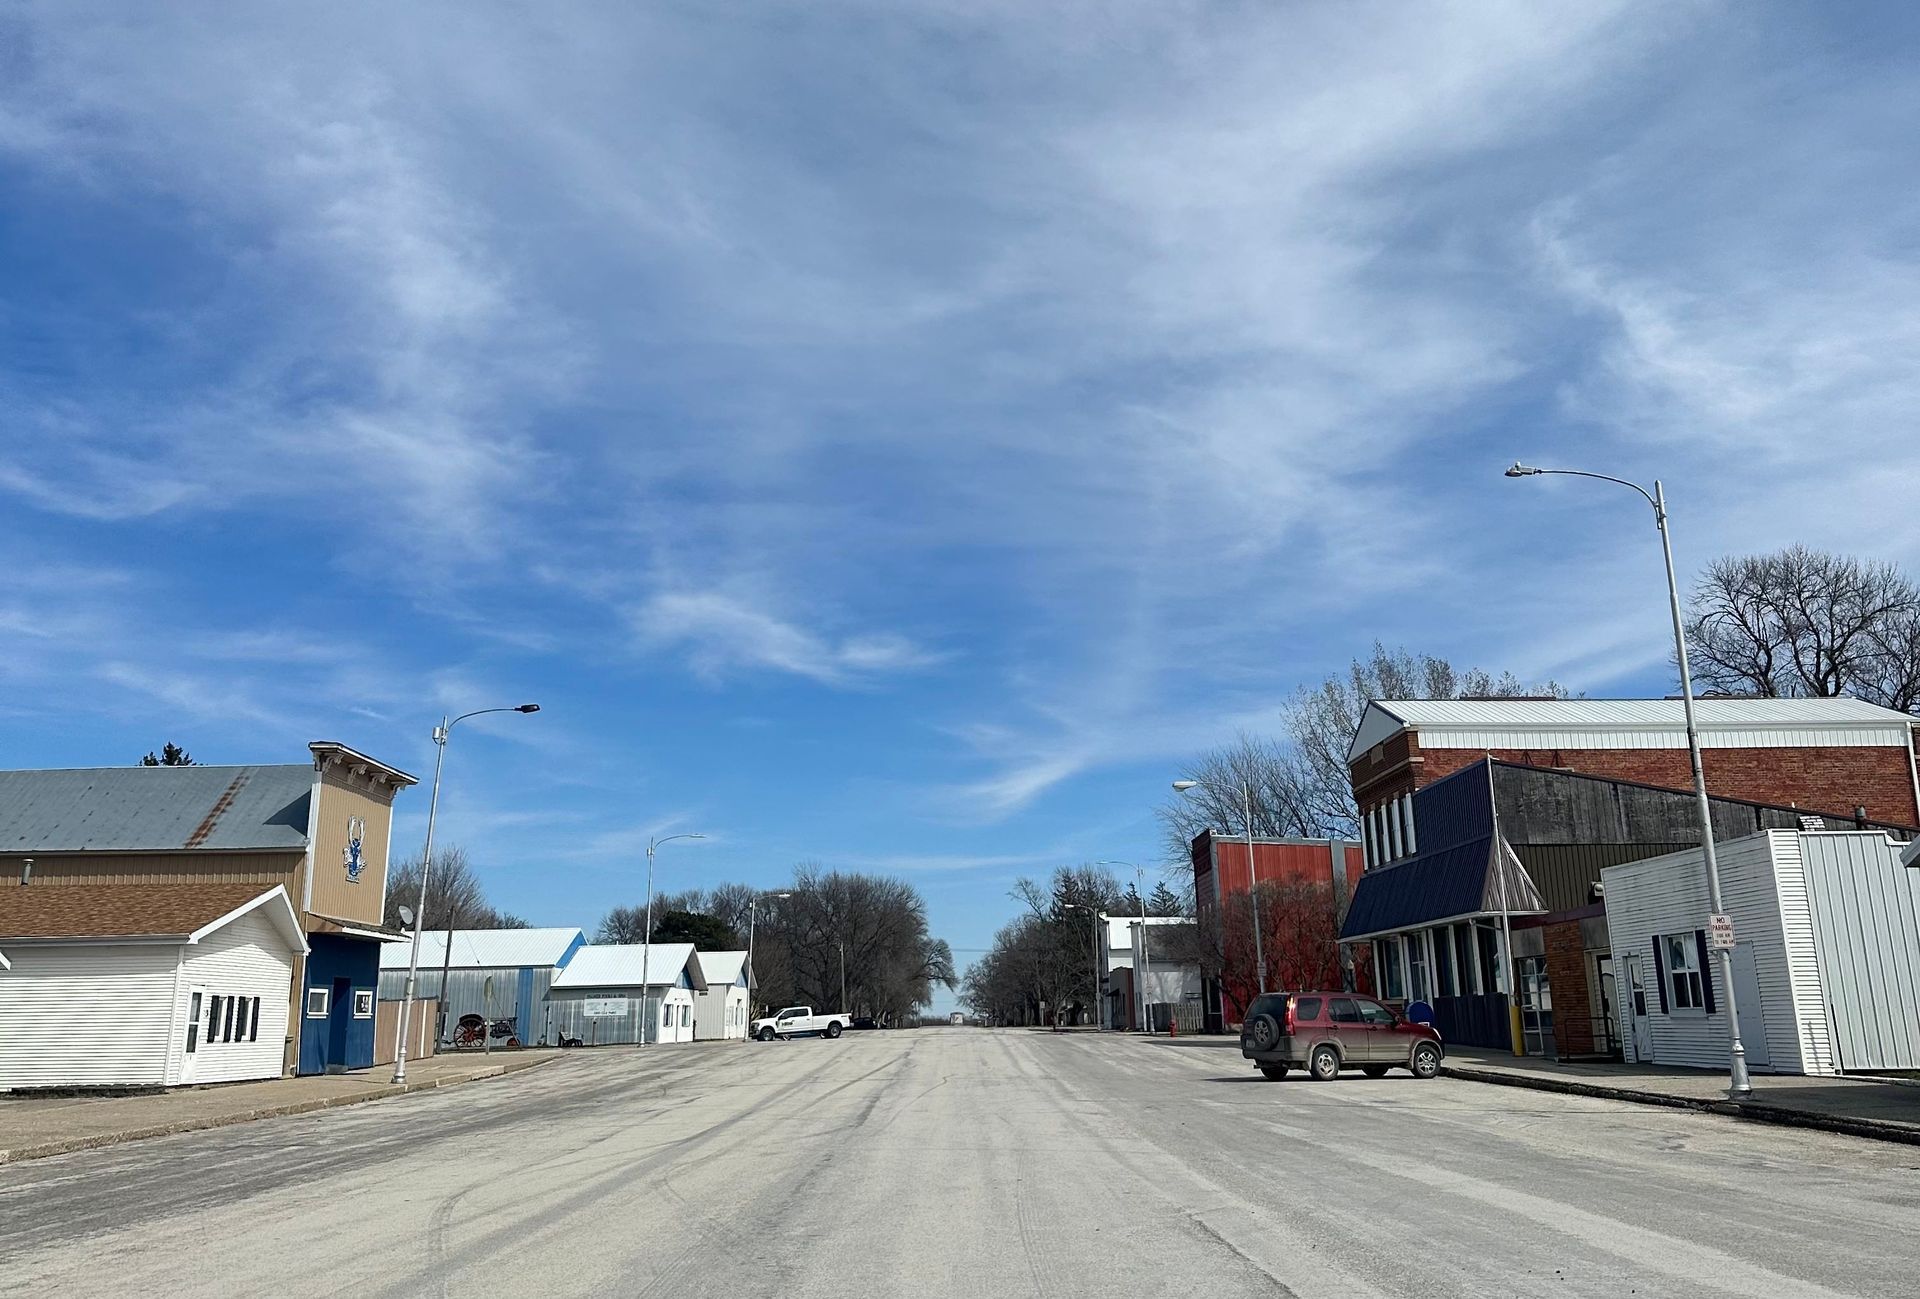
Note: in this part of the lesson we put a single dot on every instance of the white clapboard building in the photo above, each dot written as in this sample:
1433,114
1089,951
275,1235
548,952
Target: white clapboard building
1826,941
145,985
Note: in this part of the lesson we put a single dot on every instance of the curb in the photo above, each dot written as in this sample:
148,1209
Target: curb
1751,1111
100,1139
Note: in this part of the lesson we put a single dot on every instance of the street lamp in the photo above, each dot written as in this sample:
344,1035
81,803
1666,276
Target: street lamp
1253,875
646,939
1139,878
753,905
440,734
1740,1086
1098,918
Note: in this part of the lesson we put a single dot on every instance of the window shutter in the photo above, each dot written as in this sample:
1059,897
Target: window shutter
1706,969
1660,974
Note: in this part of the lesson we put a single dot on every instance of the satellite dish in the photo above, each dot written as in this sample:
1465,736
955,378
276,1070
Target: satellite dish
406,915
1419,1012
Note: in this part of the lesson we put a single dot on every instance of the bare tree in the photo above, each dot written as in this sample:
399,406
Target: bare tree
456,899
1300,785
1807,623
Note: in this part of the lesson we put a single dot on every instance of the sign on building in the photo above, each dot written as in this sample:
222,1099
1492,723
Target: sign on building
604,1007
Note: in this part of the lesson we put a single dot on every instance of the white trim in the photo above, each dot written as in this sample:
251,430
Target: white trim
326,1003
1424,925
289,923
386,863
176,1019
313,832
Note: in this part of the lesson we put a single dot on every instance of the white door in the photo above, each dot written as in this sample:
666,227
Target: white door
1753,1020
196,1014
1642,1028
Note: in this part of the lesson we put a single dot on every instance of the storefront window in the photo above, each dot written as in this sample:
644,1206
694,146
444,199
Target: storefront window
1388,955
1419,982
1492,978
1443,964
1463,953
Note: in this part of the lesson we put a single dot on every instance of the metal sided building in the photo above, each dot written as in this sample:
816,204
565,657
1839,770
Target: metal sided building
1826,954
496,977
611,992
144,985
720,1010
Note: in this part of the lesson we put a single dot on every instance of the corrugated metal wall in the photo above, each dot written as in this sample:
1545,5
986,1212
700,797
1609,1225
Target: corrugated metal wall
519,994
568,1007
1865,910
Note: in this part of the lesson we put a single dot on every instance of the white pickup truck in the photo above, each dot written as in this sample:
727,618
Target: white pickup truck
799,1021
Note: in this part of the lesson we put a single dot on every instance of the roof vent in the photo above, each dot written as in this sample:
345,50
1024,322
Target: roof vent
26,872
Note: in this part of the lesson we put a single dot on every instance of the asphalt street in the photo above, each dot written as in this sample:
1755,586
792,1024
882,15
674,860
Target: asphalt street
967,1162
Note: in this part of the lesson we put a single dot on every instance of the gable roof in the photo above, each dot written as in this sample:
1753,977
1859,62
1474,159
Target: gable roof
1624,723
618,965
155,809
185,913
722,968
487,949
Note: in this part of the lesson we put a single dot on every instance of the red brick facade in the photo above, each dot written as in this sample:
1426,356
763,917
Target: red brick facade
1567,976
1832,781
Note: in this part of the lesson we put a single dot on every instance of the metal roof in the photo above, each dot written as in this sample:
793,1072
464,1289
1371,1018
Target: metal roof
720,968
618,965
1469,879
155,809
1385,717
487,949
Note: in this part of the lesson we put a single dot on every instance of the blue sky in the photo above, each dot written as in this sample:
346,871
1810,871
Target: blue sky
895,434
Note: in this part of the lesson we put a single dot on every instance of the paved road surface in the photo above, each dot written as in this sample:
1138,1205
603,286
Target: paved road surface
967,1162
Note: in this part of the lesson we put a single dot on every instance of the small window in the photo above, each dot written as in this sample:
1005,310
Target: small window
214,1007
193,1024
316,1003
241,1005
1306,1009
363,1003
253,1021
1372,1012
226,1023
1685,991
1341,1010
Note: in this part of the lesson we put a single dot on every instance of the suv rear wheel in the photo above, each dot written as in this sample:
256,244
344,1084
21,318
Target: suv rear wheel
1324,1064
1273,1072
1426,1060
1264,1032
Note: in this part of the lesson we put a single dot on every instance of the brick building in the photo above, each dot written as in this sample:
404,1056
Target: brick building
1480,819
1837,757
1298,875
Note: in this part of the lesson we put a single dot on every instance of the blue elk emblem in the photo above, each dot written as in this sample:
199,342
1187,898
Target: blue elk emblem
356,837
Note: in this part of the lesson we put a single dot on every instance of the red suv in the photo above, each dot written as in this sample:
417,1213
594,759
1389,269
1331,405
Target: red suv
1325,1032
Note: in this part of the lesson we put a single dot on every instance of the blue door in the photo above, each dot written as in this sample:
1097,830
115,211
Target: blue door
339,1023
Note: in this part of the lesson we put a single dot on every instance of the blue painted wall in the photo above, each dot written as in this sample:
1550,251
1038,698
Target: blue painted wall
332,958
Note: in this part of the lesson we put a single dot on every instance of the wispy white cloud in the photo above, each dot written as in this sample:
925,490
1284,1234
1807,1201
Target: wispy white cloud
722,634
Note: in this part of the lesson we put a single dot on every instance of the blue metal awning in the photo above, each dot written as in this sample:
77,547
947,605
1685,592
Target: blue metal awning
1479,877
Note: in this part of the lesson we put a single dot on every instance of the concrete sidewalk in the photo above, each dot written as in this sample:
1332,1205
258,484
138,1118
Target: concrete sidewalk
1885,1109
34,1127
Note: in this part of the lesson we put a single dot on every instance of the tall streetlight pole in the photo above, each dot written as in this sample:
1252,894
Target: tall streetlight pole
1253,875
646,939
753,980
1098,918
440,734
1740,1086
1139,878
